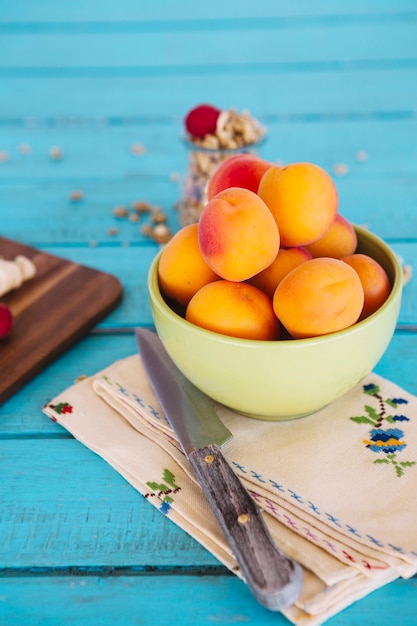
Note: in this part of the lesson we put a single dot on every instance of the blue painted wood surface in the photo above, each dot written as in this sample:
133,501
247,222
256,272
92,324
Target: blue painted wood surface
329,80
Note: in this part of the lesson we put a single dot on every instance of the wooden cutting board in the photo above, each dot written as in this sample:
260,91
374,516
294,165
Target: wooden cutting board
53,310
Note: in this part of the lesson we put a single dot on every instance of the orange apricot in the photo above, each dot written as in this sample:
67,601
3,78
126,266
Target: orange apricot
182,270
303,200
238,170
234,309
318,297
238,235
375,282
339,241
287,259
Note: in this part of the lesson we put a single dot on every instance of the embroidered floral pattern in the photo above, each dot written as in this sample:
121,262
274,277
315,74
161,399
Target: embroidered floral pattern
164,490
384,436
61,408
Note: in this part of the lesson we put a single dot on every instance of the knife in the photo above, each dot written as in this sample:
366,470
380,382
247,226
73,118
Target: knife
273,578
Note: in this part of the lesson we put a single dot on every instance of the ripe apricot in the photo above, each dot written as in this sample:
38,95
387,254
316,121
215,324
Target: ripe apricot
238,170
238,235
234,309
375,282
303,200
339,241
182,270
318,297
287,259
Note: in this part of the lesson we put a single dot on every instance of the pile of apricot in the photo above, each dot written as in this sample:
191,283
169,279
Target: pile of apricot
271,256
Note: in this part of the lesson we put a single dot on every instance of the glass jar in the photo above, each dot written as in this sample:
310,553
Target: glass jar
202,162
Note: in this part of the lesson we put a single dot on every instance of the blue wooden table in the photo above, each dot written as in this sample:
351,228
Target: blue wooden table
105,86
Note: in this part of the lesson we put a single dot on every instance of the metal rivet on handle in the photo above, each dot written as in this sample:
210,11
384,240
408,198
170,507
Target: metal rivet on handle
243,518
209,458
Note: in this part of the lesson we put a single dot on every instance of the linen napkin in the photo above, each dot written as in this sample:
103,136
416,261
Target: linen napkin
337,488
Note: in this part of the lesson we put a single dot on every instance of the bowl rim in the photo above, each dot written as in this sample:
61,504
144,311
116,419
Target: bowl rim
396,289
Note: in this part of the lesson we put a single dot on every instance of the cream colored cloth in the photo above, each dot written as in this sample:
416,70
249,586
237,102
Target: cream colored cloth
338,488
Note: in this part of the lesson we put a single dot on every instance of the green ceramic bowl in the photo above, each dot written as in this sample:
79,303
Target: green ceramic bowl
276,380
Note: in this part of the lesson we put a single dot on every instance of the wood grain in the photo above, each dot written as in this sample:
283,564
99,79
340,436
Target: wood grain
51,312
201,599
274,579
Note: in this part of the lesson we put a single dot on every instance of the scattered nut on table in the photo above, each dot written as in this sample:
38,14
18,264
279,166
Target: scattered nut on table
120,211
76,195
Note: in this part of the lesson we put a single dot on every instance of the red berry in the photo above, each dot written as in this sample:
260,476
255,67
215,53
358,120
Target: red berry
202,120
6,320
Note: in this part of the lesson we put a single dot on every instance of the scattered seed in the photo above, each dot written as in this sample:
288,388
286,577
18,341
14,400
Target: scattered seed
25,148
174,177
158,217
341,169
55,153
134,217
146,230
407,274
141,206
93,244
112,231
120,211
76,195
4,156
138,149
80,378
361,155
161,233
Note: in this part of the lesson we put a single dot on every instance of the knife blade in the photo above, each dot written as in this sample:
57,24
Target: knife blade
274,579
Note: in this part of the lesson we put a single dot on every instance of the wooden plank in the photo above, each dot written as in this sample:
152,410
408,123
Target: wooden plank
22,11
53,310
124,600
209,599
46,214
61,505
212,45
43,217
105,154
117,100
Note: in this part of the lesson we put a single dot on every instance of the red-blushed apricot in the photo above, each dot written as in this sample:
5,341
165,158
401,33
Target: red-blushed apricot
319,297
375,282
182,270
287,259
238,235
238,170
339,241
302,198
234,309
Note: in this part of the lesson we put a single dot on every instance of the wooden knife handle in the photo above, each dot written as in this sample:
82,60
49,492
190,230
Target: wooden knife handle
274,579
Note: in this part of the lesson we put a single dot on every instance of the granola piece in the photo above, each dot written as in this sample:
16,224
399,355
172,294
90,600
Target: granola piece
141,206
76,195
161,233
120,211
